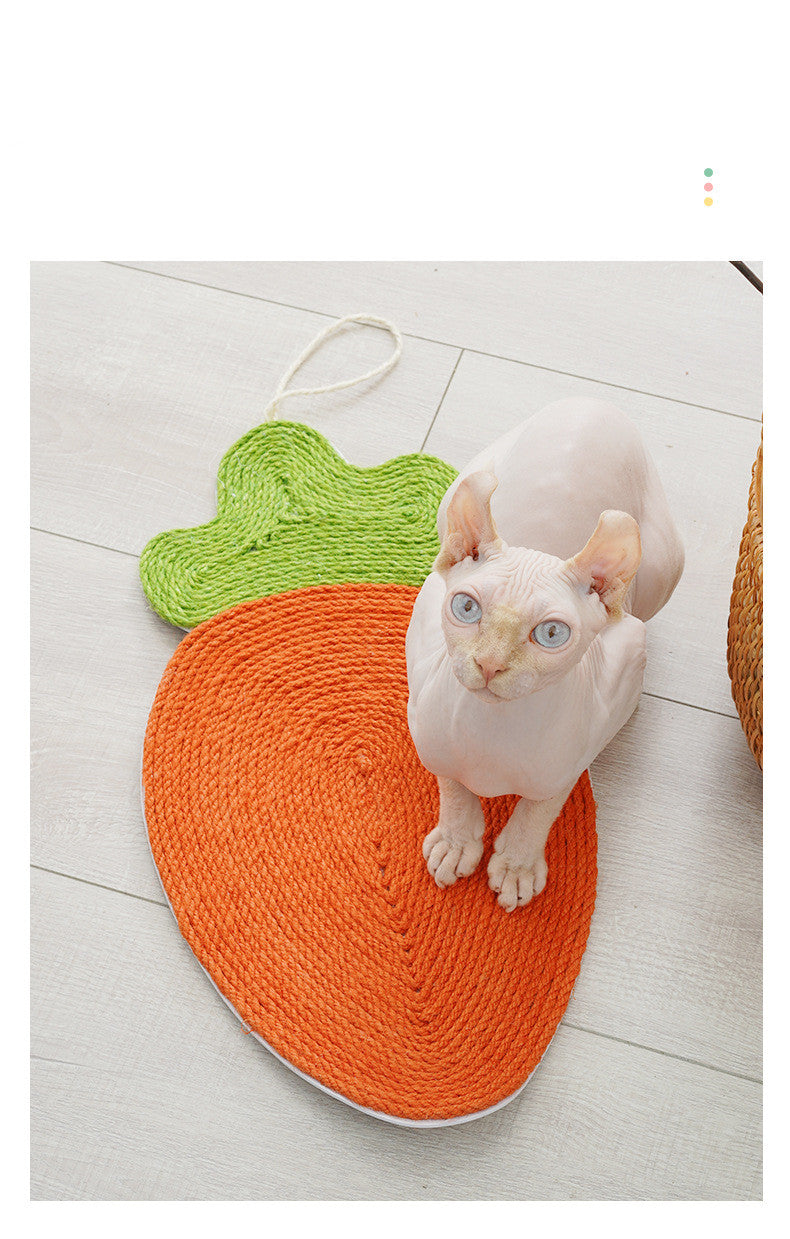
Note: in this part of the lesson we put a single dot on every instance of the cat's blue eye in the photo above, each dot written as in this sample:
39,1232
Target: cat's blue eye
551,634
466,609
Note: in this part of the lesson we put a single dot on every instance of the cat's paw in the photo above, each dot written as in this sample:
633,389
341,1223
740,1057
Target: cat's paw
449,860
514,883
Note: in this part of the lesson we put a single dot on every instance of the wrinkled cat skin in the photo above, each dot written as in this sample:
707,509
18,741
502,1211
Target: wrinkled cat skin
524,663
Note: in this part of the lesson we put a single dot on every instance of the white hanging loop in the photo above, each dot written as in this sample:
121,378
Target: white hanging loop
283,391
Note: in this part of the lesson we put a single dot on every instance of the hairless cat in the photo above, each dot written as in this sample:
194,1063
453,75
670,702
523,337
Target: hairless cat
526,647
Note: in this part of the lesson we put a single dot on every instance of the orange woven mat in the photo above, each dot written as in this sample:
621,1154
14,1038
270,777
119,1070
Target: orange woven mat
286,808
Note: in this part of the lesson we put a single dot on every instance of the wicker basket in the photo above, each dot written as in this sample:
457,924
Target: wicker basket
745,632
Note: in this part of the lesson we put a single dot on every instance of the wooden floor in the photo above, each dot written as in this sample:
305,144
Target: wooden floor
144,1086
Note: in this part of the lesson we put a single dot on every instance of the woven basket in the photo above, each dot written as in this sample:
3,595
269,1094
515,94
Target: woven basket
745,632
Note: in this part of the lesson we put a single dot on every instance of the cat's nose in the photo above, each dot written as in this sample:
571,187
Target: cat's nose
489,668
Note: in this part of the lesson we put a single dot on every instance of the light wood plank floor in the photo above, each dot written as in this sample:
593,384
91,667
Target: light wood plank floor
144,1086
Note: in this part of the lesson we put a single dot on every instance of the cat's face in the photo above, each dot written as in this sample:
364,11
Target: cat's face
516,620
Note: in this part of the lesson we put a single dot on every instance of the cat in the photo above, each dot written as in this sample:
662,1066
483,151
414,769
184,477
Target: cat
524,663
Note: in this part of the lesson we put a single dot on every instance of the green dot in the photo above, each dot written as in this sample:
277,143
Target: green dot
709,171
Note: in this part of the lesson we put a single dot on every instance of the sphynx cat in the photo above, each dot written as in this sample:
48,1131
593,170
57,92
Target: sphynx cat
526,647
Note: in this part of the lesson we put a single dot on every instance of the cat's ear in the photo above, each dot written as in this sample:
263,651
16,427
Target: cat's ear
610,559
470,530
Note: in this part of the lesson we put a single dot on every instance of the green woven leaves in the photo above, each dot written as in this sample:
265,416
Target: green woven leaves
292,513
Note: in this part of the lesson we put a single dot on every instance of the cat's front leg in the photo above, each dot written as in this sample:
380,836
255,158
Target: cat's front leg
454,847
517,869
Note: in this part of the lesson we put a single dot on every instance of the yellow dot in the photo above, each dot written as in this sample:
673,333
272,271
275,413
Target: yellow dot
708,202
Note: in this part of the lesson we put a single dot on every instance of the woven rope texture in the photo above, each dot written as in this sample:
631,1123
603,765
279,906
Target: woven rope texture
745,630
292,513
286,808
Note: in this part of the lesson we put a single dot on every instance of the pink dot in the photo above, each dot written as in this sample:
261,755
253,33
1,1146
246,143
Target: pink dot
708,185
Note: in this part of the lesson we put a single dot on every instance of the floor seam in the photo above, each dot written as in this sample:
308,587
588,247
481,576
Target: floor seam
690,705
70,877
682,1058
100,546
516,361
441,402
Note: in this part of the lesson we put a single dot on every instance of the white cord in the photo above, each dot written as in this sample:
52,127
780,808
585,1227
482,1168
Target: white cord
367,319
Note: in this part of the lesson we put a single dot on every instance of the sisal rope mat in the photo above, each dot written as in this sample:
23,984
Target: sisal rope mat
291,512
286,808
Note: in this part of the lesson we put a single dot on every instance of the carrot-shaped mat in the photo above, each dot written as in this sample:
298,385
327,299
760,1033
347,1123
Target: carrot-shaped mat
286,805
